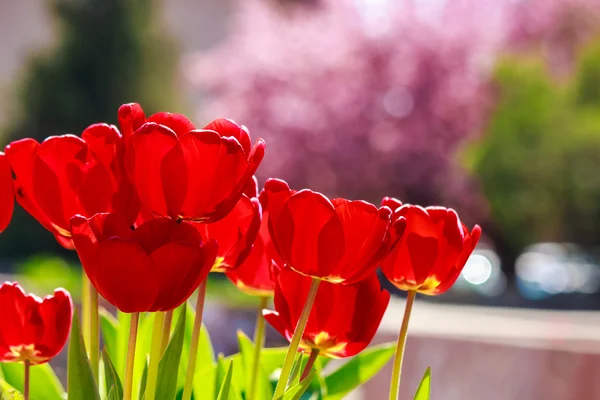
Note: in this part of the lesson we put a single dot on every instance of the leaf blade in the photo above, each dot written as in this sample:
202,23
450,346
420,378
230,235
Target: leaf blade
424,389
80,379
358,370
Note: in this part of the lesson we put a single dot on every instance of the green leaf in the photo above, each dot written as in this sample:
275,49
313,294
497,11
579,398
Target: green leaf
142,346
112,394
358,370
111,377
226,384
295,392
297,365
264,389
80,380
143,379
7,392
424,386
168,368
46,387
109,326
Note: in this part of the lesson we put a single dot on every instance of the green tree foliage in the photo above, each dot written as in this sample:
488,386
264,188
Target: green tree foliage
539,161
109,52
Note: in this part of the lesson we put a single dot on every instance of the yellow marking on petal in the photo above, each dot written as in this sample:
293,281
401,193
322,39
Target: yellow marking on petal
218,265
61,231
334,279
25,352
253,291
428,286
325,343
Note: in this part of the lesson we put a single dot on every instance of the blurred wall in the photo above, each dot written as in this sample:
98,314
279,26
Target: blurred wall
486,353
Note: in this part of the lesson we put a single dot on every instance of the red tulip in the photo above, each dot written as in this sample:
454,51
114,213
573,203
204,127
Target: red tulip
31,328
343,320
340,241
187,173
433,250
68,175
154,268
255,275
7,201
234,234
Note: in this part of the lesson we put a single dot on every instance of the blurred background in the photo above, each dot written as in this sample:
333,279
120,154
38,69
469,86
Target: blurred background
491,107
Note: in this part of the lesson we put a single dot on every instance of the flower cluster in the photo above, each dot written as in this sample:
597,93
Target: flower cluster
155,206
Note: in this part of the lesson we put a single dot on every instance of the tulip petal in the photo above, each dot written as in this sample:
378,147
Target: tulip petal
124,275
296,231
56,313
159,231
7,200
235,233
220,163
176,266
364,231
276,321
226,127
131,118
176,122
151,143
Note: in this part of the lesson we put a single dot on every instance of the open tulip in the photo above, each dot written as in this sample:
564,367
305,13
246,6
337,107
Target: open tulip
33,330
7,201
343,320
255,275
430,255
187,173
235,234
340,241
68,175
155,267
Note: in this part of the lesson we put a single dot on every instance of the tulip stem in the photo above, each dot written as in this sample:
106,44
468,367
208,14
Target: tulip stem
85,311
191,369
259,342
397,371
94,332
166,333
314,353
26,380
155,355
133,327
295,342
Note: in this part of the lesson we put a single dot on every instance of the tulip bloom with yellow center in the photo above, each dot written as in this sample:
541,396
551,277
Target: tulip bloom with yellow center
343,319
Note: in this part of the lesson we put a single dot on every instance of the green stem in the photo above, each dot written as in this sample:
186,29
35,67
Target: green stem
166,333
259,342
191,369
295,342
397,371
314,353
26,380
155,355
94,320
128,386
85,311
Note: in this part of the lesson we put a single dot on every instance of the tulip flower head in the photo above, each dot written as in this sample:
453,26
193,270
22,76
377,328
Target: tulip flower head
339,241
155,267
343,320
430,255
187,173
255,275
33,329
7,201
68,175
235,234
